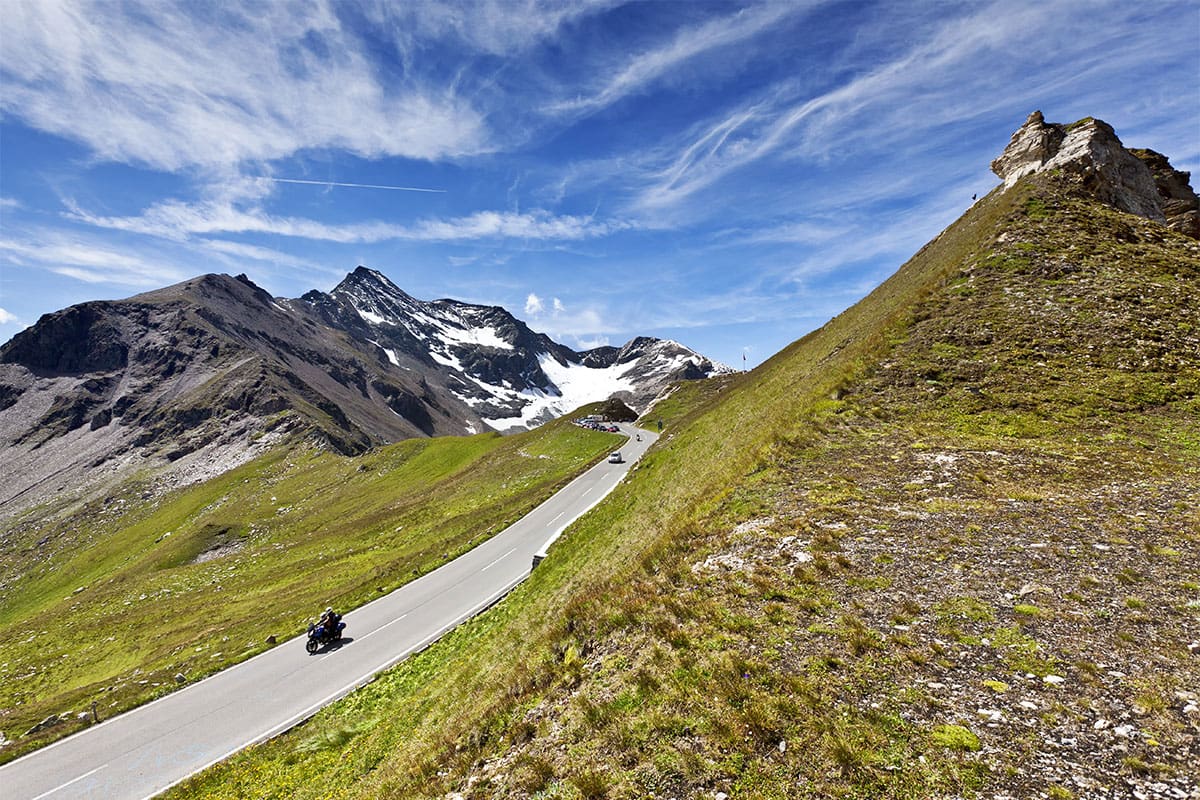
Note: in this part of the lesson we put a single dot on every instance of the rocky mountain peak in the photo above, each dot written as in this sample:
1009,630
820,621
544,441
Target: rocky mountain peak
1089,153
367,278
373,289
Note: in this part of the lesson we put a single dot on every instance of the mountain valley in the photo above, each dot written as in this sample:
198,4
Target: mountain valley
944,546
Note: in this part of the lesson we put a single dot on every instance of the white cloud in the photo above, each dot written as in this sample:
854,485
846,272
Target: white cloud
163,85
179,221
240,250
89,261
583,322
537,224
496,27
558,322
887,96
10,203
590,342
6,317
688,44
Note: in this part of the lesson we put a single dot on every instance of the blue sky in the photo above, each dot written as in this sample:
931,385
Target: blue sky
729,175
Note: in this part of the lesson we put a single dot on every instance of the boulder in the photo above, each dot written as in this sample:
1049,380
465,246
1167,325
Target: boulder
48,722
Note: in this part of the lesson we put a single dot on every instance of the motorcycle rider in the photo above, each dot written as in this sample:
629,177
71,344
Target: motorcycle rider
329,621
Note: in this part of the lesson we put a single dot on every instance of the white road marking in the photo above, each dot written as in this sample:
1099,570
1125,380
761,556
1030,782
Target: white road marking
589,489
68,783
556,519
498,560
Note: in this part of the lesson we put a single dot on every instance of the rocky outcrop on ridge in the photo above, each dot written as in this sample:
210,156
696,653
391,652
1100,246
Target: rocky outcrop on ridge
1089,154
1179,203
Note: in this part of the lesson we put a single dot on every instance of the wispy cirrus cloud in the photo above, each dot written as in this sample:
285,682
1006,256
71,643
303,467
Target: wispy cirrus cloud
634,73
239,251
171,86
990,57
89,261
493,27
180,221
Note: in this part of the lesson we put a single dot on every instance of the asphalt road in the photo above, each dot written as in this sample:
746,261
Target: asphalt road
151,748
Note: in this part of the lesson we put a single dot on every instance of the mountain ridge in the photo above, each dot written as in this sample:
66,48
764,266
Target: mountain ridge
202,375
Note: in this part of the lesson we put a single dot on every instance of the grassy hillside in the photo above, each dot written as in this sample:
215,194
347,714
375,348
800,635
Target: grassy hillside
112,604
947,542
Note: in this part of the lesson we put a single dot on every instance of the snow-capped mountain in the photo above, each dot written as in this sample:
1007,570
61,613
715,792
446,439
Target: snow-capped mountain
506,373
201,375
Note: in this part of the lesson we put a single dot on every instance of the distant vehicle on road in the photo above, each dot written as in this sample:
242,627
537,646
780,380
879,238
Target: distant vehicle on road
615,458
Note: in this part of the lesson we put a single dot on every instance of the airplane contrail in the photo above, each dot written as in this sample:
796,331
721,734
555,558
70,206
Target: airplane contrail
354,185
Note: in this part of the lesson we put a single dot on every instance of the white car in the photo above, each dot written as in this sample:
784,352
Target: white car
615,458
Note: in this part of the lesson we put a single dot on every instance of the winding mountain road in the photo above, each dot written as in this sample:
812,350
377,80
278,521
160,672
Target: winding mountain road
151,748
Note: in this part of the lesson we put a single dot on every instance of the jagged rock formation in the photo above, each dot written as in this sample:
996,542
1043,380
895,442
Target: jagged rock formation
1089,153
204,374
1179,203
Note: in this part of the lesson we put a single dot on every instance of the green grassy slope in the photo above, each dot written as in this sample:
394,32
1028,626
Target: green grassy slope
922,551
112,604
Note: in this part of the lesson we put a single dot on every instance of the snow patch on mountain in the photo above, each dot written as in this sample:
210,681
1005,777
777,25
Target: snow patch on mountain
474,337
572,385
391,354
372,317
446,360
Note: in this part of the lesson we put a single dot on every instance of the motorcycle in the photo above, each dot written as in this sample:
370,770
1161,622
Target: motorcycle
319,635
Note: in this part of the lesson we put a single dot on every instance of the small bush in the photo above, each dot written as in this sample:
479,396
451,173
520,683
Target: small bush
592,785
955,737
1025,610
531,774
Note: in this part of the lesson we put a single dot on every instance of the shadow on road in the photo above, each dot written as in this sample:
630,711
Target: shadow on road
330,647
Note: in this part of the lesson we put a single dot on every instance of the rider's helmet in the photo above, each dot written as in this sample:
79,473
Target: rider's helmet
329,610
